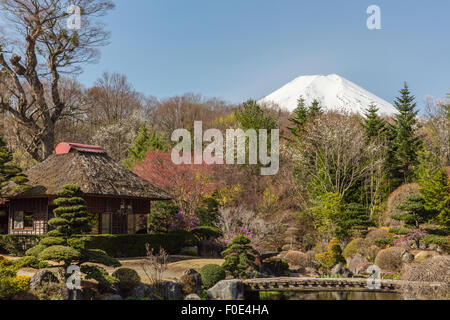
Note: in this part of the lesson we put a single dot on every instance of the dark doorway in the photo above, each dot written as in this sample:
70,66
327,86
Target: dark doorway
4,217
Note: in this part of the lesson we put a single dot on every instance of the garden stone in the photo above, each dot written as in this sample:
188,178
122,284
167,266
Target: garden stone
407,256
42,276
355,261
339,269
227,290
113,297
141,291
191,281
172,290
424,255
192,297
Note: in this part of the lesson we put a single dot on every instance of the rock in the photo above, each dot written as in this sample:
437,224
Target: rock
171,290
425,255
42,276
407,256
72,295
361,269
141,291
355,261
268,254
339,269
112,297
311,272
227,290
275,266
191,281
192,297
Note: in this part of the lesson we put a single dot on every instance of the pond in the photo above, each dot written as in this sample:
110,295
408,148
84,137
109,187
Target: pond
329,295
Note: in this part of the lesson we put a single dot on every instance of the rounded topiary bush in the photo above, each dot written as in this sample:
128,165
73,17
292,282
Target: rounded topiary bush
352,248
390,259
128,279
211,274
297,258
376,234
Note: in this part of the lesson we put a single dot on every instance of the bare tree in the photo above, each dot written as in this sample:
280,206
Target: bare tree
333,152
36,48
112,99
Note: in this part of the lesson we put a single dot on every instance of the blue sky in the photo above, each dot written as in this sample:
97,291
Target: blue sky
240,49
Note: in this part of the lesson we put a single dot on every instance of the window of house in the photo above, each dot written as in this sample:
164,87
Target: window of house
28,220
18,220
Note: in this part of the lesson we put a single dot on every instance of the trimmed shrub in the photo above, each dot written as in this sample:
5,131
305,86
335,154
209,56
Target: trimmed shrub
133,245
128,279
297,258
390,259
189,252
434,239
17,245
240,257
60,254
384,242
211,274
376,234
31,261
207,233
436,269
352,248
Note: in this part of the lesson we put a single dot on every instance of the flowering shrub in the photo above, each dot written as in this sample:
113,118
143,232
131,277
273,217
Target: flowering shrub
415,236
184,221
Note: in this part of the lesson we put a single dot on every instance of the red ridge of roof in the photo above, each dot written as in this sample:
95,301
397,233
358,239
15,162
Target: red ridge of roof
65,147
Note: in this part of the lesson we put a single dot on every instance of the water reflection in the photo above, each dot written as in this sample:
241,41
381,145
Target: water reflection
329,295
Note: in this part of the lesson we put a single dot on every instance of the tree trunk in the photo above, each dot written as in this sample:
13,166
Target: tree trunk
48,143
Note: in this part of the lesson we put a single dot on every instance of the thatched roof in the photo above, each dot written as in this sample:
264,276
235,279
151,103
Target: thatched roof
93,171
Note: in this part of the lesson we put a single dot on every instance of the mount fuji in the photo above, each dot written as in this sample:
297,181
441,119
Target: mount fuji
332,91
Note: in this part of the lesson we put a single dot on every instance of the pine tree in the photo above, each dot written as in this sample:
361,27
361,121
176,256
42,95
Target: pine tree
65,245
406,142
144,142
299,119
314,109
373,125
416,212
240,257
10,173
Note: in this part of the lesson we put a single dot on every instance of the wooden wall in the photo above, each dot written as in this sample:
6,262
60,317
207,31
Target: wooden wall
105,207
38,206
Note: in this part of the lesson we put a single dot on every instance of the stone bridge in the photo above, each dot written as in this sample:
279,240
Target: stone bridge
322,284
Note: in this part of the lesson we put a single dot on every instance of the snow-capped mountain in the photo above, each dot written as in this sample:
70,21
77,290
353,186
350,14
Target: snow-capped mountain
332,91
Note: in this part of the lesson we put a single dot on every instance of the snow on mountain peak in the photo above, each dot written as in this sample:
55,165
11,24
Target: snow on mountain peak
332,91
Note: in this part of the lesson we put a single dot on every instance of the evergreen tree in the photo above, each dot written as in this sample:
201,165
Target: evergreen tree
415,212
299,119
65,245
434,187
314,109
145,141
10,173
240,257
251,116
354,217
373,125
406,142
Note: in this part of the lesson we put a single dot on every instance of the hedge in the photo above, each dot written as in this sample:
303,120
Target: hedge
17,245
133,245
118,246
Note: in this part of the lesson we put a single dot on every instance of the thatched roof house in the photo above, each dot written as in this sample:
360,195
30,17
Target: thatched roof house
116,194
